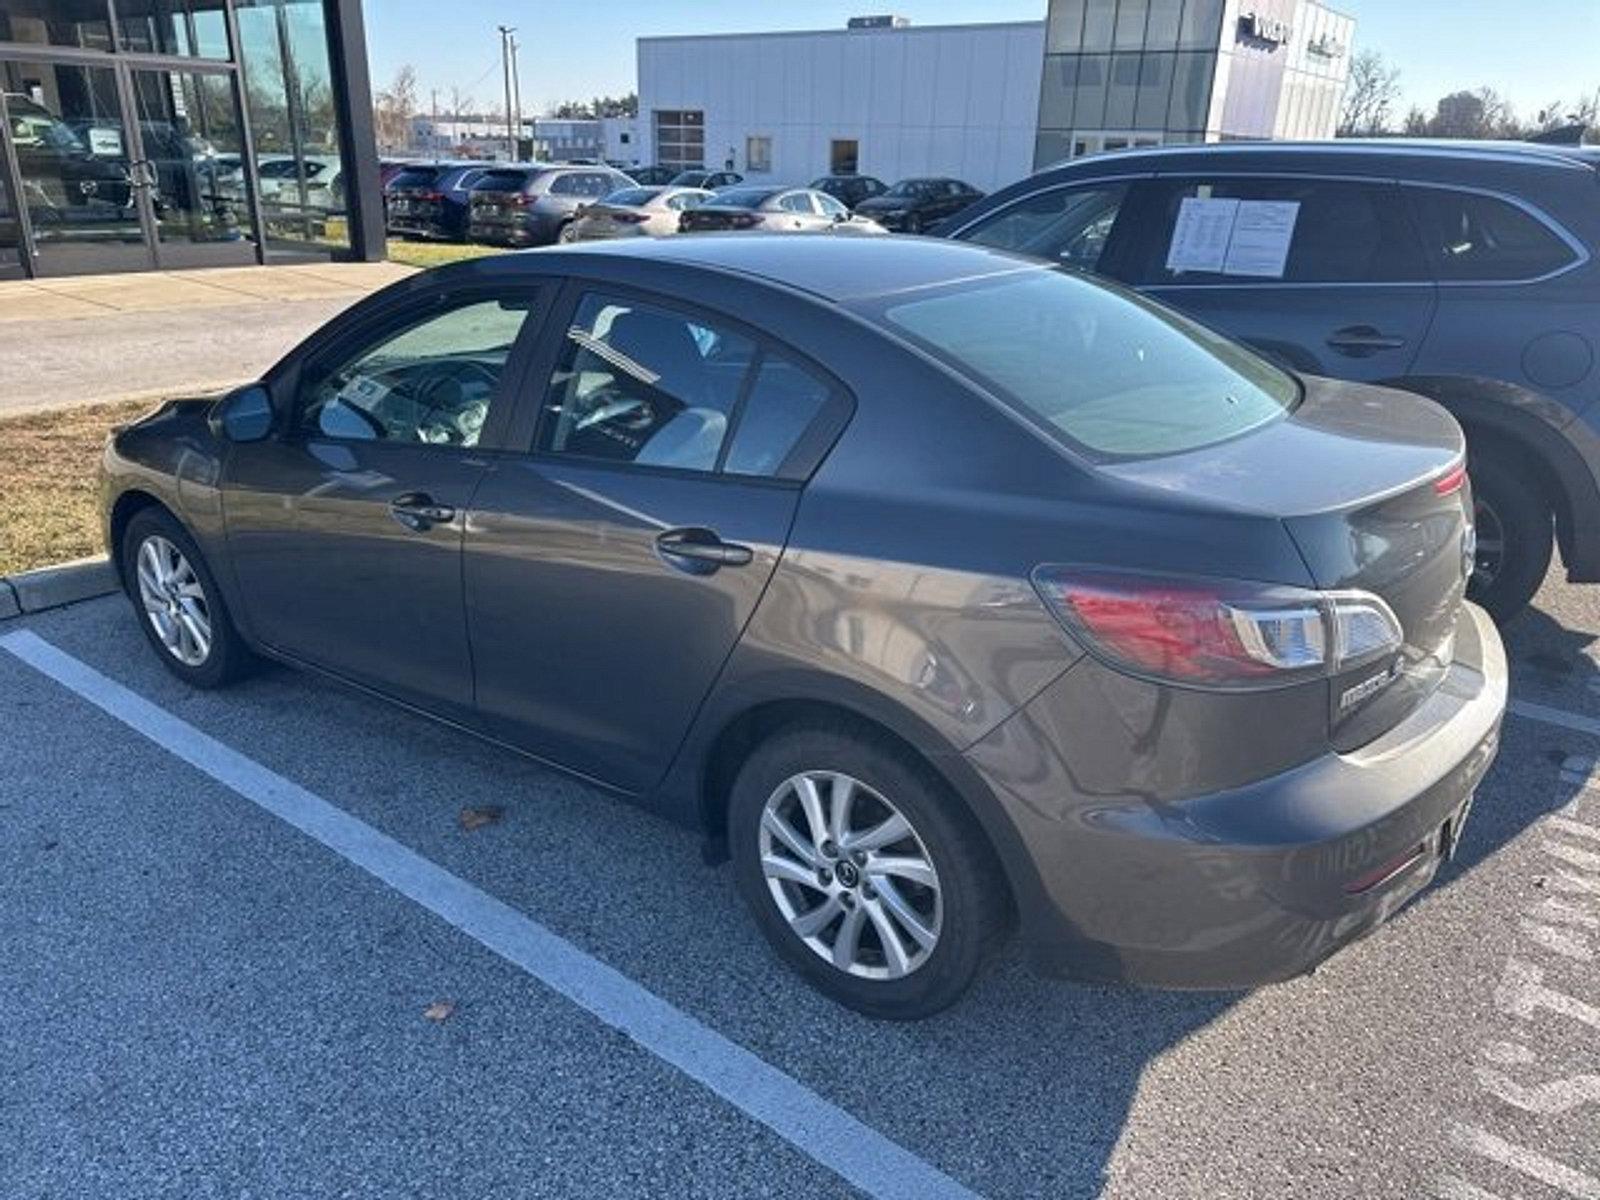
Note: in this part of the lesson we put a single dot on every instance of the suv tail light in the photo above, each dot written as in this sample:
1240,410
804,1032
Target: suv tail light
1215,632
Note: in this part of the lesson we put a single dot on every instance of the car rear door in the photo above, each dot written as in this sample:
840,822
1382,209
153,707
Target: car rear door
610,570
344,527
1325,276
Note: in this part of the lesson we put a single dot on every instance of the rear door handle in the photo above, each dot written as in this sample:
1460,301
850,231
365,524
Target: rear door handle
417,511
700,551
1361,340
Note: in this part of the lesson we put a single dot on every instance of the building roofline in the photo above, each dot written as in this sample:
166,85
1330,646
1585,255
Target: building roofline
797,33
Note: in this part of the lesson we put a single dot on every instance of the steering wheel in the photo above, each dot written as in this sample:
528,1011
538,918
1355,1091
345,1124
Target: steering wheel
438,412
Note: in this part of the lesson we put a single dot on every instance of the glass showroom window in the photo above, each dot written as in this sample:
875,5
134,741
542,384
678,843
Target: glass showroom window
191,28
758,154
289,88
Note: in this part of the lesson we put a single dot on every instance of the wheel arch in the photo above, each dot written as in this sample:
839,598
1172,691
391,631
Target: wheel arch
705,774
1516,422
127,506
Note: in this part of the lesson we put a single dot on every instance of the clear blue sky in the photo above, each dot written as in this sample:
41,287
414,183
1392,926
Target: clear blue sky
1533,52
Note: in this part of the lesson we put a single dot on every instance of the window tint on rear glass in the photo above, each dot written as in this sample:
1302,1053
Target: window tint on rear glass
411,177
1285,229
633,196
500,181
782,403
1070,225
1475,237
1100,370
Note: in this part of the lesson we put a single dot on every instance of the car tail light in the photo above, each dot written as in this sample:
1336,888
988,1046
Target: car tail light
628,218
1451,481
1217,633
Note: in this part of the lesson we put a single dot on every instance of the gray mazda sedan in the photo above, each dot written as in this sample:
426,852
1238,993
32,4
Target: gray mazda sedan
942,589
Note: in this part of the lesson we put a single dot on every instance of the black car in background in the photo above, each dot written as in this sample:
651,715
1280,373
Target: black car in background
534,205
432,200
1464,272
913,205
850,190
651,176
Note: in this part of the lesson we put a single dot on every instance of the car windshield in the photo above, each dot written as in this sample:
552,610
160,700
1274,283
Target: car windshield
911,188
742,197
1100,370
632,197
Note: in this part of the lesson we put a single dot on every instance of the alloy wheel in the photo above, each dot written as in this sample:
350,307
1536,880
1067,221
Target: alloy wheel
174,600
1491,543
850,875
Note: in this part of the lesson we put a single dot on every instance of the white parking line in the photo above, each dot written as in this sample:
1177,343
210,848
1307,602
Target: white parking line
821,1130
1554,716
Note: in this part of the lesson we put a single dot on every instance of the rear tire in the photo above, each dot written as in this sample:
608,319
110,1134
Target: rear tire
178,604
933,889
1515,537
567,234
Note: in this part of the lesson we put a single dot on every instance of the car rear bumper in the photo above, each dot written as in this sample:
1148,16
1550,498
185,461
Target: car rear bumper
1256,884
526,229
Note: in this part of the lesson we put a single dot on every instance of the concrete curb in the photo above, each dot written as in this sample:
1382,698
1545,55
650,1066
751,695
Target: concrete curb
53,587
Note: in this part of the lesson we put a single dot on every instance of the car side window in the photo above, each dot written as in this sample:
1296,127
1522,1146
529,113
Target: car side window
831,207
636,383
1472,237
782,403
1070,225
795,202
685,200
1287,229
430,381
567,185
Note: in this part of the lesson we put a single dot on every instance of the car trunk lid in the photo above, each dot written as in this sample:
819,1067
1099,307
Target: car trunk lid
1368,483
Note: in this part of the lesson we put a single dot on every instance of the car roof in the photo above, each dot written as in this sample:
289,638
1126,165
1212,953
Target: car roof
1341,151
834,269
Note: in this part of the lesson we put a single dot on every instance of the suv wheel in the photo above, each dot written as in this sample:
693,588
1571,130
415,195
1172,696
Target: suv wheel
863,872
180,609
1515,538
568,233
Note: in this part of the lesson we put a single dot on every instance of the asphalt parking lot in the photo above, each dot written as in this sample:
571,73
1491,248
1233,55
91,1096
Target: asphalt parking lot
230,922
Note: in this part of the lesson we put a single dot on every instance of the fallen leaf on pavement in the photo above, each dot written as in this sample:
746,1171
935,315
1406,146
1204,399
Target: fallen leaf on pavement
476,818
439,1010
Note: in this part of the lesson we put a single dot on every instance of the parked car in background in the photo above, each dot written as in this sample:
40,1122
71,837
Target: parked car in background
930,614
913,205
850,190
1467,273
774,210
310,182
432,200
710,180
636,212
651,176
535,205
388,168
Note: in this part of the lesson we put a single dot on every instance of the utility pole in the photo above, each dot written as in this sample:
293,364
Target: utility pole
435,93
505,63
516,91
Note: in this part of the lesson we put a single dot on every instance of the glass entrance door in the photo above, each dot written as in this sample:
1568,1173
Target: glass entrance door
75,163
192,145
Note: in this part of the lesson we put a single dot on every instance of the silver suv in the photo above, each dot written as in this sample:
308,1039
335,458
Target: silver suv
1461,271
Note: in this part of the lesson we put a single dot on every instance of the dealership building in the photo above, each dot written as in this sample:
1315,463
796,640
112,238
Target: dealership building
139,134
989,103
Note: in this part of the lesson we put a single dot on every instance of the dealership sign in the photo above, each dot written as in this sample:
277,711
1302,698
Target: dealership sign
1263,28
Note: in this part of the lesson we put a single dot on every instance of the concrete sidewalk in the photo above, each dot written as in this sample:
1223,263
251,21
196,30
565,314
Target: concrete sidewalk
104,337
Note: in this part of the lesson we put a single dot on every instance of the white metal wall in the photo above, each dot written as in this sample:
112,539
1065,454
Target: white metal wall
959,100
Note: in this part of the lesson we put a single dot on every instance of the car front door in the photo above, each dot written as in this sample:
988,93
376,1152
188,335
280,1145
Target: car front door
1325,276
344,528
611,569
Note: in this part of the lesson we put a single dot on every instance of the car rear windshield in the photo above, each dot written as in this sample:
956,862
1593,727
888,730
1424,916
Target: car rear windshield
743,197
502,181
416,177
633,196
1101,370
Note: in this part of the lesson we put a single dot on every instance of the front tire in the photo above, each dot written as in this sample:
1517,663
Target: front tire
863,871
567,234
1515,538
178,604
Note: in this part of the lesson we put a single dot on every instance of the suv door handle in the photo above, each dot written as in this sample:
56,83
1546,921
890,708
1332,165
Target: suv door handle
418,512
700,551
1360,340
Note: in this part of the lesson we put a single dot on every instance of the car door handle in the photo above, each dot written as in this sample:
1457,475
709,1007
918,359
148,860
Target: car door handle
417,511
700,551
1359,340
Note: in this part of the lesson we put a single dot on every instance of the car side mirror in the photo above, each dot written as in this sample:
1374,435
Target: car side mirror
243,415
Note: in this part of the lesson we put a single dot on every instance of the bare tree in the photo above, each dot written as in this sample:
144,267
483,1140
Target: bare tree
1370,96
393,107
